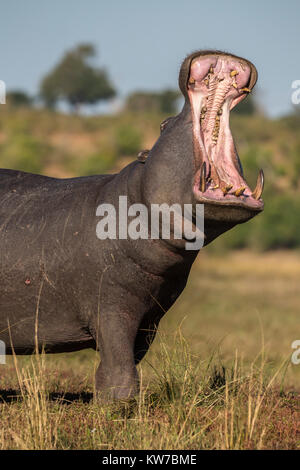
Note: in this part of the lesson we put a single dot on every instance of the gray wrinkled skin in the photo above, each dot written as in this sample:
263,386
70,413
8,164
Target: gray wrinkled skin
83,292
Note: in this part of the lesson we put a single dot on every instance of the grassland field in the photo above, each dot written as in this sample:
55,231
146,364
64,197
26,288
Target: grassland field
218,376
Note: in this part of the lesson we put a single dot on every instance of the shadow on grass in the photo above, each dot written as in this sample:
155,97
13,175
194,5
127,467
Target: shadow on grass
11,395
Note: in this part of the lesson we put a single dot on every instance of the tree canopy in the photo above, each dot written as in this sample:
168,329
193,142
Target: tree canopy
247,106
19,98
76,80
164,101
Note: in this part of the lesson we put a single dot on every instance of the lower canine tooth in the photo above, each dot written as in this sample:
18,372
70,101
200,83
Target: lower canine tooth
239,191
202,184
259,186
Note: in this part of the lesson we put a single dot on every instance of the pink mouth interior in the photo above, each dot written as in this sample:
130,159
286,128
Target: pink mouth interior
216,84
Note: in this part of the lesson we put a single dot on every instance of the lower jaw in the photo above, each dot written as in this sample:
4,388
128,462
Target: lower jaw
250,204
235,203
230,211
217,197
219,179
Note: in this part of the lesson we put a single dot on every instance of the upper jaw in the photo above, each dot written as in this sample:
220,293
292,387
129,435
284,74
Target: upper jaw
215,83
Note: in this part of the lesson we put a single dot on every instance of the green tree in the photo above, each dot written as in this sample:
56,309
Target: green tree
168,101
128,140
18,98
247,106
164,101
76,80
140,101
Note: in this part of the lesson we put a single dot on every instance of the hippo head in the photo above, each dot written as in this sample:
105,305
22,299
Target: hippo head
213,83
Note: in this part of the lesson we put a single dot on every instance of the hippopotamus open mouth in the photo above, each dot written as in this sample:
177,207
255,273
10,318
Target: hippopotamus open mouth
215,83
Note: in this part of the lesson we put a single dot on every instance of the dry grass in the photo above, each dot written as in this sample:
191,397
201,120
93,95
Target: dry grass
223,380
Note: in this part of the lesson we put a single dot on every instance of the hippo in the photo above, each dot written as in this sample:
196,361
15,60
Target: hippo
64,288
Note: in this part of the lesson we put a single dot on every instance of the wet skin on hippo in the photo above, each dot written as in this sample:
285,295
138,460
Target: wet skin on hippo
82,292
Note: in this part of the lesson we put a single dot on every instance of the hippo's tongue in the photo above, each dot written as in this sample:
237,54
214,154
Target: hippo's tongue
216,84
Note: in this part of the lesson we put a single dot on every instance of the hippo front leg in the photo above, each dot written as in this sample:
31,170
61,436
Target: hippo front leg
145,338
116,376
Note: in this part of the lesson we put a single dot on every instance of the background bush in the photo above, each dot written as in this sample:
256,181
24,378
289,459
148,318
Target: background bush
61,145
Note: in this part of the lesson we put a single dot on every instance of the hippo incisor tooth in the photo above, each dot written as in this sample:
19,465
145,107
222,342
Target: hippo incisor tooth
202,184
191,80
239,191
259,185
234,85
233,73
226,188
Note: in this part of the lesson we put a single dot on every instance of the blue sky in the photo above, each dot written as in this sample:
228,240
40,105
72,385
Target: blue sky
142,43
